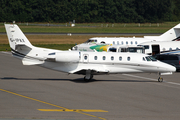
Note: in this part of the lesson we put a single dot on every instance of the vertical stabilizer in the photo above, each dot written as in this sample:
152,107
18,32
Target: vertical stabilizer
170,35
16,37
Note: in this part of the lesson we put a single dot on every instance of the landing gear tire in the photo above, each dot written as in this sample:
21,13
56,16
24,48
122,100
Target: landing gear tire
87,80
160,79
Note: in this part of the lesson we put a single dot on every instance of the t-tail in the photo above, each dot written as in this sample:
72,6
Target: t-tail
20,45
16,37
170,35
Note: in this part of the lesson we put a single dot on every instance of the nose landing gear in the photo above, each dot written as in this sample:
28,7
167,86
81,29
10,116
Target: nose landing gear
160,79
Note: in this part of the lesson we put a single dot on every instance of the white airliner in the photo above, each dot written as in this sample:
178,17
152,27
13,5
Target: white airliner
84,63
170,35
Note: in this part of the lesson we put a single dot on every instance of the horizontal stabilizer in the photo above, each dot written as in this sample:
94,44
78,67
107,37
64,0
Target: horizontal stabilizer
31,62
22,47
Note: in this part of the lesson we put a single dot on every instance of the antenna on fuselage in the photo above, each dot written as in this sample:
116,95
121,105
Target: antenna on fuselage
14,23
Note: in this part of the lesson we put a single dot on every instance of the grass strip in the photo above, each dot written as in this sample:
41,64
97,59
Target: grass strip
99,28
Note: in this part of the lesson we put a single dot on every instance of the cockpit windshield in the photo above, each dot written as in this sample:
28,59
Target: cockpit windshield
150,58
91,41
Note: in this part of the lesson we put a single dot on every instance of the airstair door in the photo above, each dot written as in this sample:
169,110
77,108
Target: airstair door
155,49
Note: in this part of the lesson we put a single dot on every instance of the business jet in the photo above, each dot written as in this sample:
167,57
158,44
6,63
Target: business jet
170,35
84,63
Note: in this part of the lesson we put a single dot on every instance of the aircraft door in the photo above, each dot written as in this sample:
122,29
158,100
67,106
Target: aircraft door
85,58
155,49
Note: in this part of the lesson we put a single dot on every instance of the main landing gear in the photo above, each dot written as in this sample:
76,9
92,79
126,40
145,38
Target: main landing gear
88,76
87,79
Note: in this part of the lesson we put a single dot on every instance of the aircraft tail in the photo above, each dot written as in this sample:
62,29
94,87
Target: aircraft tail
16,37
21,47
170,35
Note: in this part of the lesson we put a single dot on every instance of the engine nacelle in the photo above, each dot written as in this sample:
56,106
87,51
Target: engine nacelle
67,56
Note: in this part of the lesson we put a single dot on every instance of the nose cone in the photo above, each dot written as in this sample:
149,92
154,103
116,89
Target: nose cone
172,68
169,68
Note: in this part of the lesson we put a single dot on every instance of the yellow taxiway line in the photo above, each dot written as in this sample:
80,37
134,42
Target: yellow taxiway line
80,111
71,110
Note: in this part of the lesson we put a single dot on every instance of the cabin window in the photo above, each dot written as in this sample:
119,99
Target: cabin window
170,49
131,42
95,57
118,42
122,42
126,42
104,58
177,48
85,57
120,58
136,43
113,43
112,58
144,59
128,58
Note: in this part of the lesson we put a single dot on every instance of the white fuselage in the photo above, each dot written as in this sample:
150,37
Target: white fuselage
100,62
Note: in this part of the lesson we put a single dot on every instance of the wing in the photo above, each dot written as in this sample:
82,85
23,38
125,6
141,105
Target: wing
93,71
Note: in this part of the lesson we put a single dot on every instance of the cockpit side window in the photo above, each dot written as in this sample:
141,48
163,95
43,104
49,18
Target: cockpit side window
144,59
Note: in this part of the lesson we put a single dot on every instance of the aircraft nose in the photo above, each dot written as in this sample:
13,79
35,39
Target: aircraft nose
171,68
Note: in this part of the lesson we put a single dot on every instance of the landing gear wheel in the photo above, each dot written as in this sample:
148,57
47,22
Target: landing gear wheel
160,79
87,80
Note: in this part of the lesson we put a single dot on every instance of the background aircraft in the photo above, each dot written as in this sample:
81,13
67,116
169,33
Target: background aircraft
170,35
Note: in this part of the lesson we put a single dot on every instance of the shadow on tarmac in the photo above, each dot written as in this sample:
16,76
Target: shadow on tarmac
78,80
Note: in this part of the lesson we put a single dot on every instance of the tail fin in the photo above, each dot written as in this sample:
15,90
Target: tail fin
170,35
16,37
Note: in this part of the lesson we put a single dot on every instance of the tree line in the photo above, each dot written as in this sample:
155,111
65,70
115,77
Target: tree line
94,11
